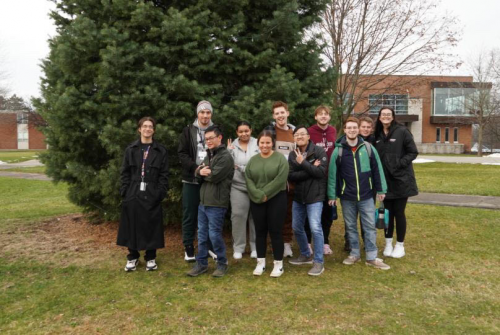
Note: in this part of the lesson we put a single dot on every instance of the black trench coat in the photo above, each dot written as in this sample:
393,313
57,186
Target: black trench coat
141,222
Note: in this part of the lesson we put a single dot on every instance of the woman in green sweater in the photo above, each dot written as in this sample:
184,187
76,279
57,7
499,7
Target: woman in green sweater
266,175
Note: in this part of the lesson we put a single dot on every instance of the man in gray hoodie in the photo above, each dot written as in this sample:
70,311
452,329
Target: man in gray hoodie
192,152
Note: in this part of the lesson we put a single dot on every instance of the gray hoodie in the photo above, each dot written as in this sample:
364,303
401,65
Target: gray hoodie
241,159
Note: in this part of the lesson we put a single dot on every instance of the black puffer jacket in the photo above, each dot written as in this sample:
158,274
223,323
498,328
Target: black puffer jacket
310,180
397,150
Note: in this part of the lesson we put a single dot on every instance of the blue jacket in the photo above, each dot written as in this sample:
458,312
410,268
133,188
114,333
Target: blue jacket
355,176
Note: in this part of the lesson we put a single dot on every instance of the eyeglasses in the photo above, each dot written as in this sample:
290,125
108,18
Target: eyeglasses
386,115
210,138
296,135
147,127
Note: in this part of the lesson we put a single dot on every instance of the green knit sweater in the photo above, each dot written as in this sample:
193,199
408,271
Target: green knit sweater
266,176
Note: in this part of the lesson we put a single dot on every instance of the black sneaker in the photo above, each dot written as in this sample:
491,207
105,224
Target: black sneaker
189,253
197,270
220,271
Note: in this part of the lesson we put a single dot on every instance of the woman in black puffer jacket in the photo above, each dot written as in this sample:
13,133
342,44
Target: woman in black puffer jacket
397,150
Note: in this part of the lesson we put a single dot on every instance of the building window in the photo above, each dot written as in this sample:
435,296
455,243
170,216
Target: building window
22,136
438,135
398,102
455,135
22,118
457,101
446,135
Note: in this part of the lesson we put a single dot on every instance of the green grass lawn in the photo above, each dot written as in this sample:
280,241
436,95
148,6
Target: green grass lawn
32,199
53,282
474,179
18,156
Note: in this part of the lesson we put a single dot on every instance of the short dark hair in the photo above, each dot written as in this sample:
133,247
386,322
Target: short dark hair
243,123
266,133
300,127
214,128
144,119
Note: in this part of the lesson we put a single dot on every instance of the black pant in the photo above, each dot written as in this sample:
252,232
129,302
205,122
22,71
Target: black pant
134,254
326,223
269,217
396,209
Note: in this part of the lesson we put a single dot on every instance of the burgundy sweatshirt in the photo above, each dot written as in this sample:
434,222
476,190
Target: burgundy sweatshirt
324,138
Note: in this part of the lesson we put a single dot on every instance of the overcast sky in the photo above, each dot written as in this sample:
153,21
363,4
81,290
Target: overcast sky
25,28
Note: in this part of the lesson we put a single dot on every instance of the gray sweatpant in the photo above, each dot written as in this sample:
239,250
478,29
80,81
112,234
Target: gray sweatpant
240,214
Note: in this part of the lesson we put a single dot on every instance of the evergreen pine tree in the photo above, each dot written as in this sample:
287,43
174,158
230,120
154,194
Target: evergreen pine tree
113,62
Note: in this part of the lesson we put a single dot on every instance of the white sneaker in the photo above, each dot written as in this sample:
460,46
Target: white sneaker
278,269
388,247
288,250
151,265
253,254
237,255
131,265
399,250
260,268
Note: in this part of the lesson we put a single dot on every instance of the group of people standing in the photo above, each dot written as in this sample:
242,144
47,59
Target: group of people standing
285,182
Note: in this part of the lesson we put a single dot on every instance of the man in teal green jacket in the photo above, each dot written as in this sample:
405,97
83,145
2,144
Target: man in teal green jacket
354,172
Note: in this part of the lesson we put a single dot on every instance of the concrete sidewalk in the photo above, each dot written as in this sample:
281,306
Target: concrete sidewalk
24,175
33,162
456,200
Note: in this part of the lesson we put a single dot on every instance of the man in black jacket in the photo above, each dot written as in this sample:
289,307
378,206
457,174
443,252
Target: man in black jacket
192,152
308,164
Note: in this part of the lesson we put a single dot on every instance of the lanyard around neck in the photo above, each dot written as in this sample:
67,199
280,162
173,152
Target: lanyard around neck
144,157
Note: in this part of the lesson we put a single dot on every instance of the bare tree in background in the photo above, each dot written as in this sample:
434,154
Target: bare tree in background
368,40
485,102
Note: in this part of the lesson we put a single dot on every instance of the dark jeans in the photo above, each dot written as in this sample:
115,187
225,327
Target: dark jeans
190,202
210,222
269,217
134,254
396,209
326,223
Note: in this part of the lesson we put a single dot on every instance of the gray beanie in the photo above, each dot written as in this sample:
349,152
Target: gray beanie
202,105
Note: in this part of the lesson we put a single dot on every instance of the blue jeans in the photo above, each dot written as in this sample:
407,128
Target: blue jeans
366,210
210,222
313,212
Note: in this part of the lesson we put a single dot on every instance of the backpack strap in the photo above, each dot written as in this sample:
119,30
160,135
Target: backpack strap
341,150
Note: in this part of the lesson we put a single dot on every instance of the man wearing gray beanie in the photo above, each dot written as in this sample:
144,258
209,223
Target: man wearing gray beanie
192,152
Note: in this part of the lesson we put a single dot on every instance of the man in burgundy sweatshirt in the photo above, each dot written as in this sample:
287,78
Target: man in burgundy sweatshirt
324,135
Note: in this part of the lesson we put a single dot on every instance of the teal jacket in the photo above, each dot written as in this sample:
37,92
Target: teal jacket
357,175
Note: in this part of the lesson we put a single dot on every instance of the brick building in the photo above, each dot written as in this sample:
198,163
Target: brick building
18,130
438,110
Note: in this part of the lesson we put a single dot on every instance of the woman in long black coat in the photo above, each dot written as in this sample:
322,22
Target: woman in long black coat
397,150
144,183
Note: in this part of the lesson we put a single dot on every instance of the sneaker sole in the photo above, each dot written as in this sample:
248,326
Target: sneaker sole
352,262
197,274
130,270
259,274
218,275
277,275
376,267
316,274
152,269
299,263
